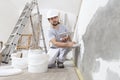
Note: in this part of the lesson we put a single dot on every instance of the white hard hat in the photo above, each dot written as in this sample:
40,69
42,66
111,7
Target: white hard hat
52,13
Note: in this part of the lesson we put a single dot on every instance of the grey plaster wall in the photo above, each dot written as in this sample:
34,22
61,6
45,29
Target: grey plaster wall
102,39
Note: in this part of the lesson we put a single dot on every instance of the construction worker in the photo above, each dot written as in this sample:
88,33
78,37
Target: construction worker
61,44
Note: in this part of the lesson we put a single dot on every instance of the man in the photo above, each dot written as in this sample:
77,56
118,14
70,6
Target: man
62,44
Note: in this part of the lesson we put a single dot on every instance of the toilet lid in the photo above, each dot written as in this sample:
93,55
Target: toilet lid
8,72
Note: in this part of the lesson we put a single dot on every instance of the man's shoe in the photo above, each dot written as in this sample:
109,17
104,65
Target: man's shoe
51,65
60,64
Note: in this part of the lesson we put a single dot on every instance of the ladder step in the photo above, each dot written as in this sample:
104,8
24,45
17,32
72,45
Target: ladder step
12,35
21,18
10,39
18,25
26,6
10,43
15,30
23,13
19,21
7,44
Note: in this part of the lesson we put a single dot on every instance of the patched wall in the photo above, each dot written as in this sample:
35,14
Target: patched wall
102,43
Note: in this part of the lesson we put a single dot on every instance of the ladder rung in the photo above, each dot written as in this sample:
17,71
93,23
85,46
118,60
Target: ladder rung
15,30
13,34
18,25
19,21
22,18
23,14
7,44
24,11
26,6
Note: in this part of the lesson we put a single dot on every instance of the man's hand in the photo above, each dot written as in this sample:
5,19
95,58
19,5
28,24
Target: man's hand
65,39
62,44
70,44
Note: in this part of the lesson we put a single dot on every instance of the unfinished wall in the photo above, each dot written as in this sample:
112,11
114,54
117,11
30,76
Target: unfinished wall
101,44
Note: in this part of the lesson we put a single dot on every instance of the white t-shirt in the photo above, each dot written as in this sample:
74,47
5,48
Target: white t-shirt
53,33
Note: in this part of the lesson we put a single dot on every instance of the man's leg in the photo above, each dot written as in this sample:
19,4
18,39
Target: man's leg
53,53
62,55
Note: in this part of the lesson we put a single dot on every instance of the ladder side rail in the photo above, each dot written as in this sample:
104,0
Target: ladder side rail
7,58
40,21
4,56
34,35
42,32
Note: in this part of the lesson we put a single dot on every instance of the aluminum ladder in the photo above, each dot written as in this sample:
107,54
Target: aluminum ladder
17,31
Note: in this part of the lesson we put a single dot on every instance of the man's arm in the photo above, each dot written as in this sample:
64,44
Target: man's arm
65,36
65,39
62,44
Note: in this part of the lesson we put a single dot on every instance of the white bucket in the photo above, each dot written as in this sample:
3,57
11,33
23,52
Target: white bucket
37,58
37,61
38,68
17,54
24,53
20,63
36,51
17,62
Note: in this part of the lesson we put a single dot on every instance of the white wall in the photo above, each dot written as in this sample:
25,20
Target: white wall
71,6
8,17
